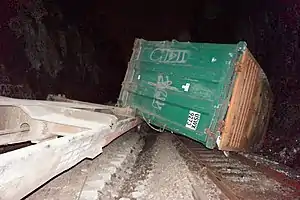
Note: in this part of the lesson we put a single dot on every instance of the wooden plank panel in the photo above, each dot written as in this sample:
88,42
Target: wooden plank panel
230,120
243,126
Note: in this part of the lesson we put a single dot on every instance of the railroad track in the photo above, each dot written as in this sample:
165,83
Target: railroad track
239,177
208,174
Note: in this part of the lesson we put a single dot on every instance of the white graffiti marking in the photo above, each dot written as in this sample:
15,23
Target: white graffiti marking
161,93
169,55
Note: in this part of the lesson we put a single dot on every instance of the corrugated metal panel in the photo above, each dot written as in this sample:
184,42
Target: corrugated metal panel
169,82
186,88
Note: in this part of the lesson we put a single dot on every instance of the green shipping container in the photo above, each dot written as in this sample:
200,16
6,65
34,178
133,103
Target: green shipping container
186,88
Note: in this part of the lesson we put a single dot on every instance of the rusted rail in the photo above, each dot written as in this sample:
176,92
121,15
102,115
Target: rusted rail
239,177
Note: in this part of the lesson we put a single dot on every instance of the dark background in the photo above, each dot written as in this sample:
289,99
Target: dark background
81,49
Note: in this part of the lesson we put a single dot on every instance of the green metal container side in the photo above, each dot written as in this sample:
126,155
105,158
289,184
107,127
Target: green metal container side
182,87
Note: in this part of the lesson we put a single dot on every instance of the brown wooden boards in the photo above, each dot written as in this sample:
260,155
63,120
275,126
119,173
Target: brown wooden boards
249,108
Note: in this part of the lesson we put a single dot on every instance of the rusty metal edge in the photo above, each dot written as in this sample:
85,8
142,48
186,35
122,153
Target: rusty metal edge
271,173
220,182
